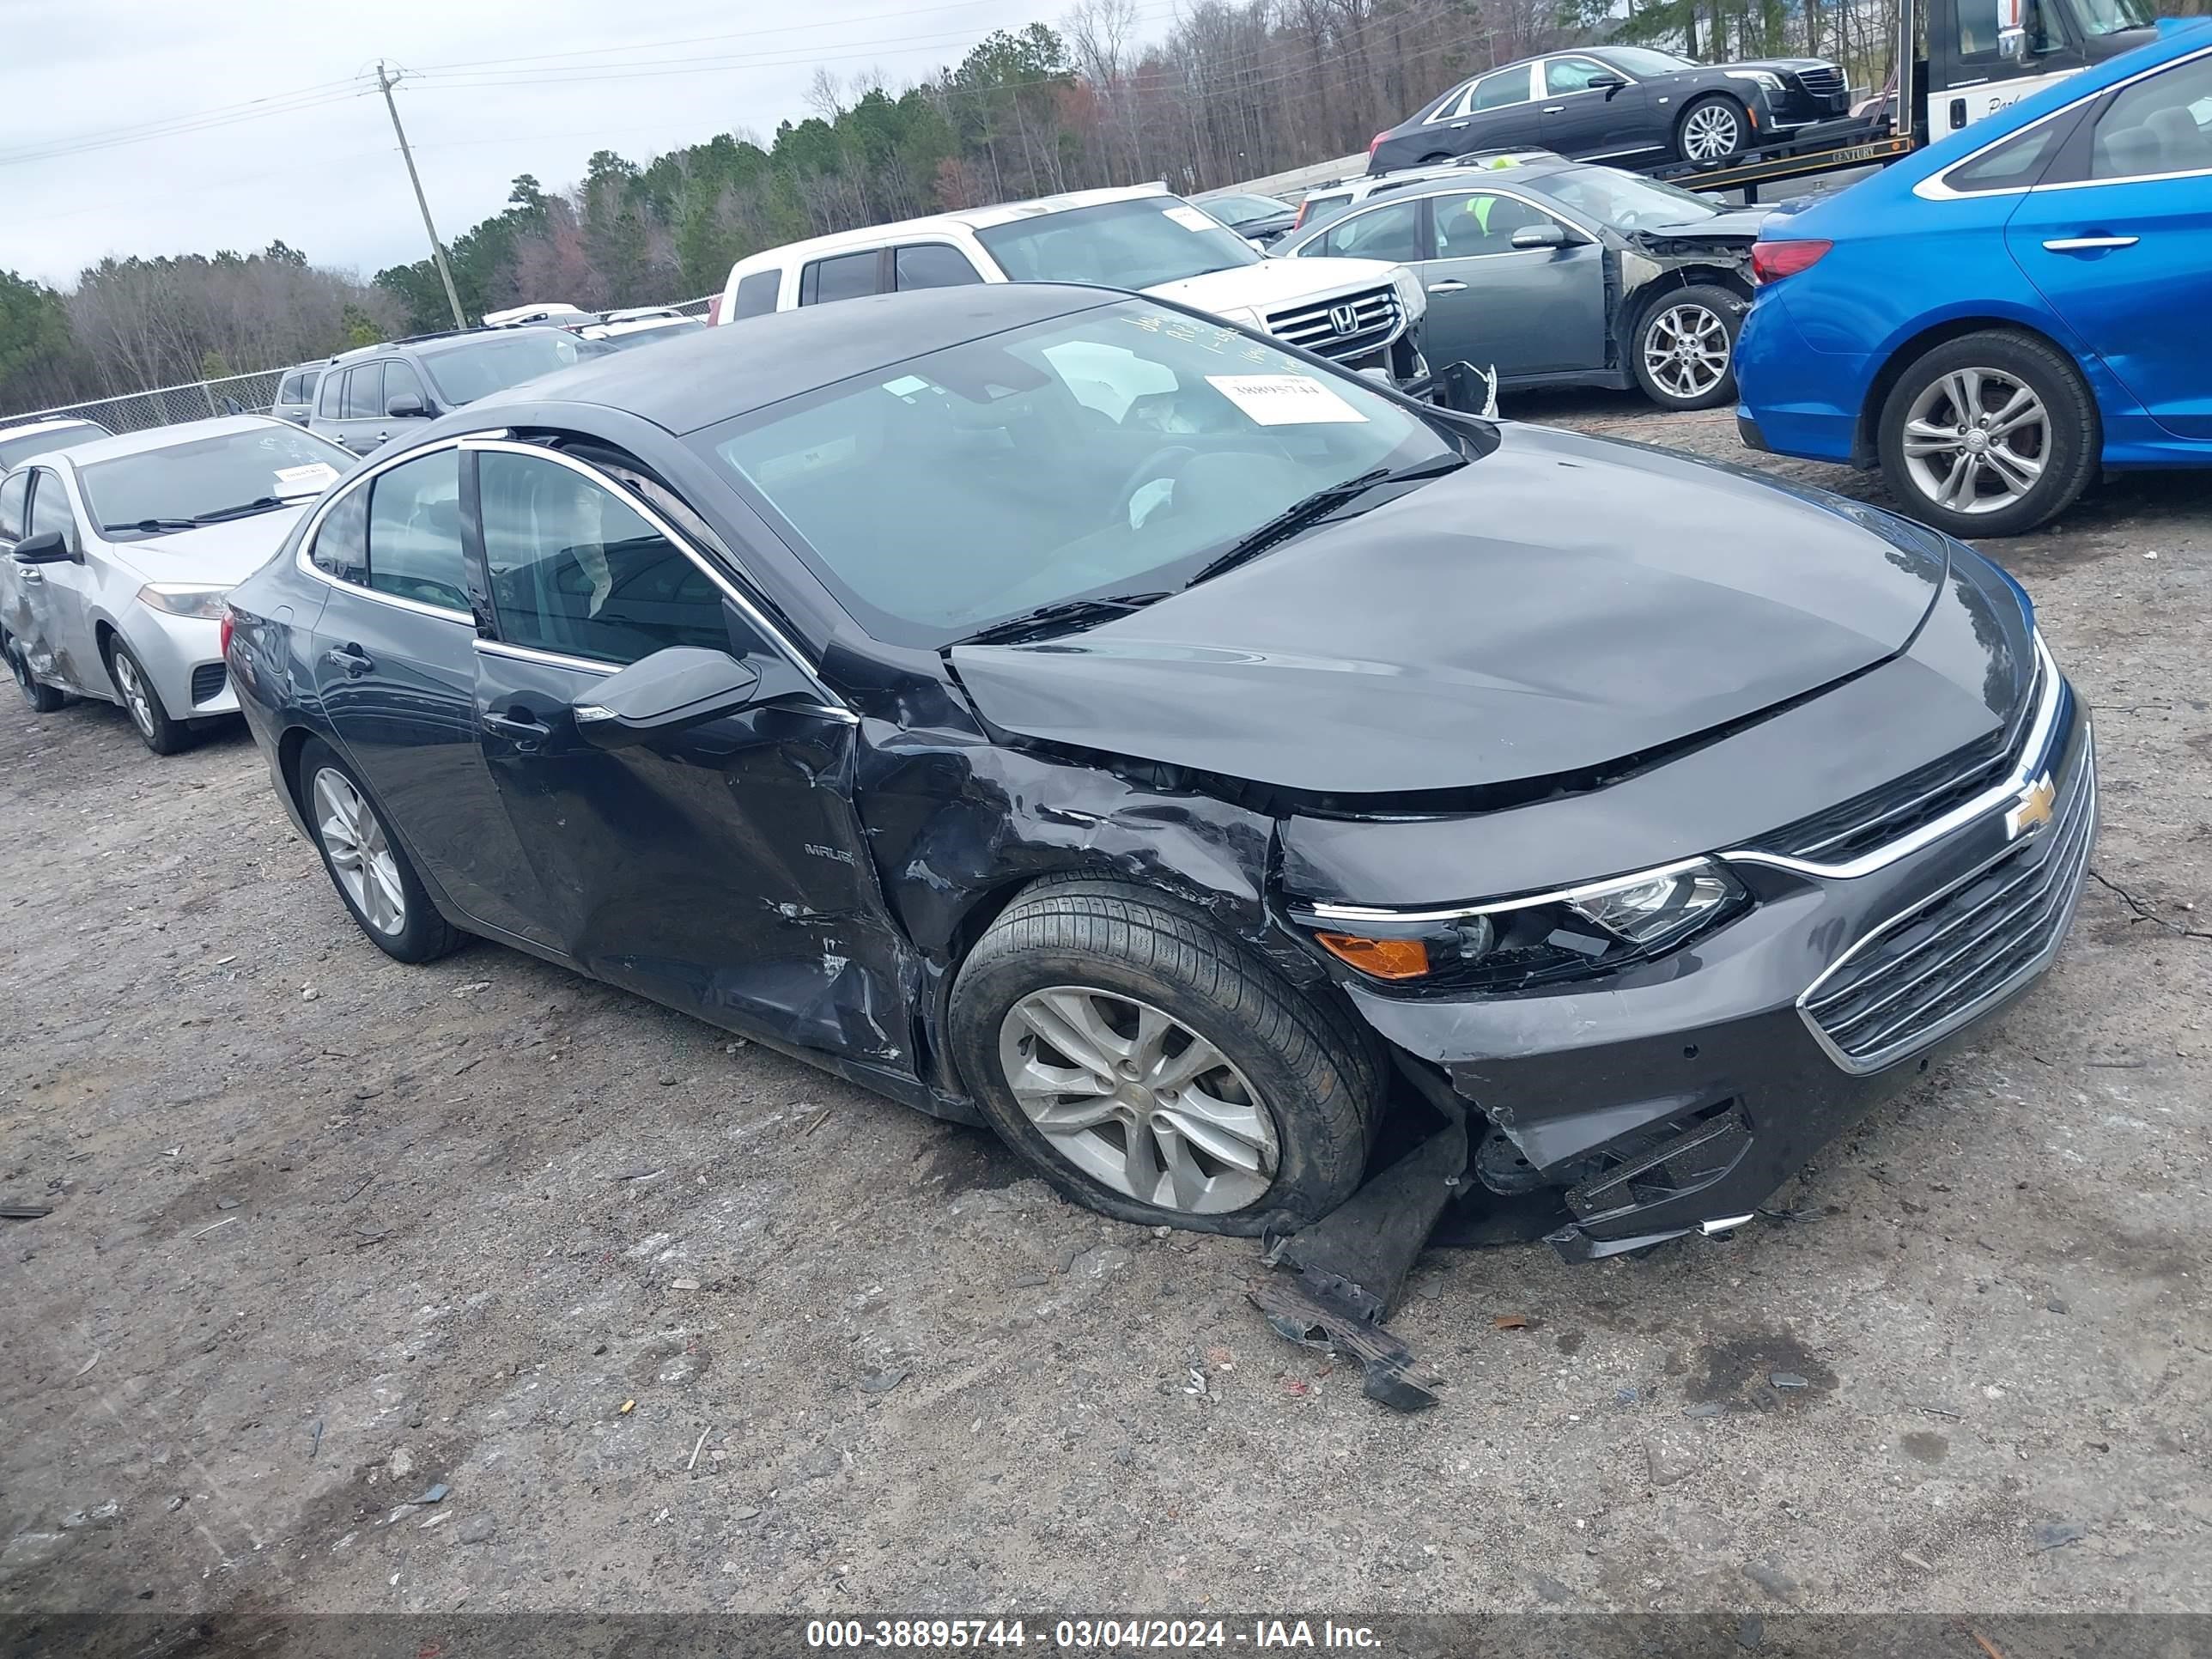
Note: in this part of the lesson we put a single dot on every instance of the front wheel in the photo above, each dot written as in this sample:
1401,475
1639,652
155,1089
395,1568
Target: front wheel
1684,348
1153,1069
143,703
1989,434
1712,130
366,864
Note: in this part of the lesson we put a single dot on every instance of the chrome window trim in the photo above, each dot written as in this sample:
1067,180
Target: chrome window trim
777,640
2034,755
550,659
2004,989
304,560
1936,186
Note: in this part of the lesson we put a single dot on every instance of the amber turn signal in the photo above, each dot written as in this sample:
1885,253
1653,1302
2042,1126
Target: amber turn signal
1384,958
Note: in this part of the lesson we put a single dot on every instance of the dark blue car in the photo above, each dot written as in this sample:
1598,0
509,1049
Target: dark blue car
1997,317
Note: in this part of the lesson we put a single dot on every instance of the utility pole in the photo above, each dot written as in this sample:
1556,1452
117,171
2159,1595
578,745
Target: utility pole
386,83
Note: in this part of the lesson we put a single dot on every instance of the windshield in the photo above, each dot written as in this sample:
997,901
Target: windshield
24,444
1115,452
1642,60
1134,244
181,482
1232,209
2111,16
492,362
1627,202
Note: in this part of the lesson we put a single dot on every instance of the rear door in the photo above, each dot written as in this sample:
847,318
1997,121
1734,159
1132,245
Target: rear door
394,656
1599,125
1520,311
1502,113
362,425
2118,238
721,870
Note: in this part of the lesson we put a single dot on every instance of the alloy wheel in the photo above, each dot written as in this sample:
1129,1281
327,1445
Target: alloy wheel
1712,134
1138,1101
1976,440
136,697
1686,350
350,833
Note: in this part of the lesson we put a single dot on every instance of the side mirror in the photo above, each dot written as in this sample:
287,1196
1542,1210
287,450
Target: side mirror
50,548
405,406
1540,236
682,686
1607,84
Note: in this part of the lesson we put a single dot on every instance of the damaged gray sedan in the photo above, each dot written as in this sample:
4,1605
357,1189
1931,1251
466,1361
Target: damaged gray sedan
1059,710
1551,272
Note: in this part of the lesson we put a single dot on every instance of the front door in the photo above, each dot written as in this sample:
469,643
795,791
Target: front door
1518,311
2118,238
1606,123
721,870
54,618
395,670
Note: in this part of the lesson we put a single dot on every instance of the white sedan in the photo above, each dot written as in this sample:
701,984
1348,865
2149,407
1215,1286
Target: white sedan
119,554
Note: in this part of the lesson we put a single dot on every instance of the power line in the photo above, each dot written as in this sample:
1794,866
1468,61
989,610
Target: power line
254,109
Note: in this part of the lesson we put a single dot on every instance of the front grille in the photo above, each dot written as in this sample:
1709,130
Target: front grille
207,682
1822,82
1927,972
1850,829
1374,314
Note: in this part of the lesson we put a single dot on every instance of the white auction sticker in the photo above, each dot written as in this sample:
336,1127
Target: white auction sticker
1285,399
298,480
1190,218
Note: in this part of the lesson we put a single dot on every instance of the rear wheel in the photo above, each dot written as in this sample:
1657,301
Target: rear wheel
1684,348
1152,1068
143,702
1712,130
1989,434
43,699
366,864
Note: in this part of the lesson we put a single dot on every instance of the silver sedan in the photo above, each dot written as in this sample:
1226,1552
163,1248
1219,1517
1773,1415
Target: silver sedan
119,554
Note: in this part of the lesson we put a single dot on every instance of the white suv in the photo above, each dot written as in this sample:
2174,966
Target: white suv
1360,313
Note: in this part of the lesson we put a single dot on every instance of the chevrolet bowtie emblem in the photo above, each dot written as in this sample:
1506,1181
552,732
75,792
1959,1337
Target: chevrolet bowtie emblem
2032,810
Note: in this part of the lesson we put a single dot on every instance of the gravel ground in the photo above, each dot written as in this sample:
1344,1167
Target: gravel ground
684,1325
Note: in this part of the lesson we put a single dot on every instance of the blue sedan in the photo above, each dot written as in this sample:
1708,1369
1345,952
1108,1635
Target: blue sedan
1996,318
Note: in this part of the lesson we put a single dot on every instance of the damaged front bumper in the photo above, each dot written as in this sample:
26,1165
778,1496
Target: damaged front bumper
1677,1095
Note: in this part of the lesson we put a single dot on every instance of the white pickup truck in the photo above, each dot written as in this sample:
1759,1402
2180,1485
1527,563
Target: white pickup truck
1360,313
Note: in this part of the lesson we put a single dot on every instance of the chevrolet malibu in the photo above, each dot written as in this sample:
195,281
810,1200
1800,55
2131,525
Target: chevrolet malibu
1059,710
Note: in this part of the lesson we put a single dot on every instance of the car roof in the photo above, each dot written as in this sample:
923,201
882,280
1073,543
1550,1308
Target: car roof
758,360
442,336
49,424
160,437
982,218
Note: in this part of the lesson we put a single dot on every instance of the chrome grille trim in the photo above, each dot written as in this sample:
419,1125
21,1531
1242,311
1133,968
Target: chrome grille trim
1377,317
1975,957
1821,82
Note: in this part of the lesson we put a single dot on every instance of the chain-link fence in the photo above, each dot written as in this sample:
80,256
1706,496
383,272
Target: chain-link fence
200,400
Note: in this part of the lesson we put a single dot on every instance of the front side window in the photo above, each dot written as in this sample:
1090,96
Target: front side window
1642,60
253,469
577,570
1469,226
15,496
470,369
757,294
847,277
50,508
1498,91
1139,243
2160,125
2111,16
400,380
1566,74
1392,233
1115,450
933,265
364,393
415,532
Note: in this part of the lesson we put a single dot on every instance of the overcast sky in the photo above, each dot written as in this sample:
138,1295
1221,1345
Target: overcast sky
508,87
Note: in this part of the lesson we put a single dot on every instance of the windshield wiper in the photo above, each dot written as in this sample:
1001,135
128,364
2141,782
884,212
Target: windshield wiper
1302,515
243,509
155,524
1058,614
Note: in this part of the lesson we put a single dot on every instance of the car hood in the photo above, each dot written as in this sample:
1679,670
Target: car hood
1784,66
218,554
1559,606
1274,283
1738,228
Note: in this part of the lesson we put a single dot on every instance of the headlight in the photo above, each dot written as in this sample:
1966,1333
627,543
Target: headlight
1577,933
1411,294
183,600
1766,78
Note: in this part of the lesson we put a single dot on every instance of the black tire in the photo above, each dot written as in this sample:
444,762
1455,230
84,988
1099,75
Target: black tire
424,935
42,699
143,702
2067,452
1671,315
1318,1077
1712,102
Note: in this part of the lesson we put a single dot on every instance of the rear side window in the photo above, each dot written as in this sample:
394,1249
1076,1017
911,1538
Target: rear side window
933,265
847,277
15,496
1385,232
757,294
1501,90
364,393
415,532
2013,165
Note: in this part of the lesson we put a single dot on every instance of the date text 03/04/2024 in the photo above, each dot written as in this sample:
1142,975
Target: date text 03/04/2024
1086,1634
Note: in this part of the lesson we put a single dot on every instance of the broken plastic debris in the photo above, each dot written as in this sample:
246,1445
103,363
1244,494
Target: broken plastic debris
685,1283
628,1406
435,1495
1511,1322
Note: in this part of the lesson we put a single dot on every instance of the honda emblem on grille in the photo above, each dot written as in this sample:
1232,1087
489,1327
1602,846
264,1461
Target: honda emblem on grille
1345,319
2032,810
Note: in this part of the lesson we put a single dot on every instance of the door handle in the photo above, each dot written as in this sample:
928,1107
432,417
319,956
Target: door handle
351,658
2088,244
1456,125
1555,109
1449,285
32,573
524,728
